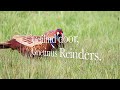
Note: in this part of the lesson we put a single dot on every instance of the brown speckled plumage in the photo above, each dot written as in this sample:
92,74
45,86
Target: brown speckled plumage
26,45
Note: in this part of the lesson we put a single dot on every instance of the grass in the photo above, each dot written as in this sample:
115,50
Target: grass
98,32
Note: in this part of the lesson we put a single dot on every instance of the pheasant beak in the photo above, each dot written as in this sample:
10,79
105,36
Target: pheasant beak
57,33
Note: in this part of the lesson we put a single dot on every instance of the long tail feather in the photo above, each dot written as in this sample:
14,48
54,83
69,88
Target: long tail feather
4,45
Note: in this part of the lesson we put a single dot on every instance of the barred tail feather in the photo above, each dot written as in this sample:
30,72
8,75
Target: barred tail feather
4,45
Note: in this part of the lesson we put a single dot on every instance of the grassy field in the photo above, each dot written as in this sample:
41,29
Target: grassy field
98,32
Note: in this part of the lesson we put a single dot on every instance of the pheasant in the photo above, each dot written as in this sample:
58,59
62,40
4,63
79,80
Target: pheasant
27,45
